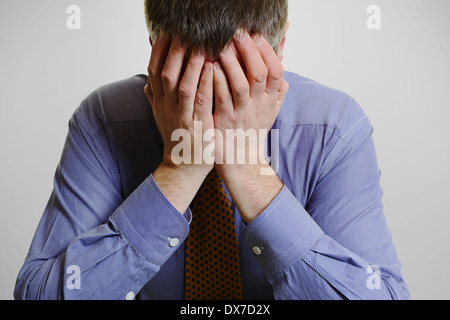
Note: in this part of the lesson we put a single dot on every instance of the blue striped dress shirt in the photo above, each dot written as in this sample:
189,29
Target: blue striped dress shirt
108,232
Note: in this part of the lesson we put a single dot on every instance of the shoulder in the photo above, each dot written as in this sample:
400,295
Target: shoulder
119,101
311,103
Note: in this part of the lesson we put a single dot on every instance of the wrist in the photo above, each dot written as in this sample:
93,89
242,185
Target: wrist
251,191
242,171
191,171
179,184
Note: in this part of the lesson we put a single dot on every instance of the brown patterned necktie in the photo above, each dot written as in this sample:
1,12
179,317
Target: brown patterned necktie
212,258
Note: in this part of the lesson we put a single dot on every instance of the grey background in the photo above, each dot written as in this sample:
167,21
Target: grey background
399,74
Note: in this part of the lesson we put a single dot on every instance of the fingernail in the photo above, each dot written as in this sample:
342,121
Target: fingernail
217,66
241,35
207,66
258,39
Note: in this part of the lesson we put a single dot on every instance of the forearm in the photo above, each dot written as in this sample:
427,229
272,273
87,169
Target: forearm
302,262
97,265
110,259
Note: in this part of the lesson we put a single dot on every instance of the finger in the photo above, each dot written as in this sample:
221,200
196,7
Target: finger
257,70
188,86
222,94
149,92
157,60
204,98
273,63
171,72
282,91
238,81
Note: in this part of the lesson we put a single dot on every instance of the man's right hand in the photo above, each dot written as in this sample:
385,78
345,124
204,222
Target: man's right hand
180,90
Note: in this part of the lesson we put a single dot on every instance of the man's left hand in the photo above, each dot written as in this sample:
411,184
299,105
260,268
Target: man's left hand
248,97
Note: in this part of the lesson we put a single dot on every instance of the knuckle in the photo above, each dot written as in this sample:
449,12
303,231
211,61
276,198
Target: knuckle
167,79
201,101
242,90
151,72
224,99
285,86
277,73
261,76
184,92
148,91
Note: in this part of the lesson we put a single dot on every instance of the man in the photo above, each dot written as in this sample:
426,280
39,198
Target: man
127,219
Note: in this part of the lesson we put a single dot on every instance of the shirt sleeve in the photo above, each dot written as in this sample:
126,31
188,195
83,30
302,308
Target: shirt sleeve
91,243
339,246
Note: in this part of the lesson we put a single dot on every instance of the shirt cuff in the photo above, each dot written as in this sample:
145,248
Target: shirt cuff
281,234
151,224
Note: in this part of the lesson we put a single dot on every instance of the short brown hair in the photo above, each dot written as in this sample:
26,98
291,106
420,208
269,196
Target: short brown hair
209,25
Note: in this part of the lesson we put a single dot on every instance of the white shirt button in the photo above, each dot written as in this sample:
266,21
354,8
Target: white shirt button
130,296
173,242
257,250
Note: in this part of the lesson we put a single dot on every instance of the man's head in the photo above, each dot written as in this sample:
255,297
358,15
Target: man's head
209,25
